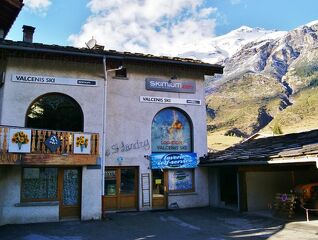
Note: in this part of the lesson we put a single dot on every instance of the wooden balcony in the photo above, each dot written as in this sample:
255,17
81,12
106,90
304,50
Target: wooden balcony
40,153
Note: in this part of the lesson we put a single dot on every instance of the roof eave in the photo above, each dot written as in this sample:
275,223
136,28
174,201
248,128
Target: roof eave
206,67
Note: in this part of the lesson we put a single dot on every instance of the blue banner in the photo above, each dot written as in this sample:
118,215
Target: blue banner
173,160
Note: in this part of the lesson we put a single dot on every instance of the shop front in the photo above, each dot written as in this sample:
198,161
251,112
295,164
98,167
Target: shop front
172,160
156,125
171,173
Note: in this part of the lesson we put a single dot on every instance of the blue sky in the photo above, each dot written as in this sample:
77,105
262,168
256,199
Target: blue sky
155,26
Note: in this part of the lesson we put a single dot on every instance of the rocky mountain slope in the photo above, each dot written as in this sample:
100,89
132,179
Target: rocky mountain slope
267,82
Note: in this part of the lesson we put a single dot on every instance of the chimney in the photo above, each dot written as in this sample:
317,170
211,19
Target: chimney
28,33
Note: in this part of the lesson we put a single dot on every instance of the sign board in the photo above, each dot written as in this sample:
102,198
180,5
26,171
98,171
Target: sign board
157,84
166,100
173,160
23,78
145,186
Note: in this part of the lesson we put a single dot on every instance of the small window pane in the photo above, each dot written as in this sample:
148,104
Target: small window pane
39,184
181,180
127,184
110,182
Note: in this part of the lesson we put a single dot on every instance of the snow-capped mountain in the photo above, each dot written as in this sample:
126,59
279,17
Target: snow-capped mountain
220,48
270,77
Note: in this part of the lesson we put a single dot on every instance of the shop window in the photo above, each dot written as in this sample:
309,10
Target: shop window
55,111
171,131
39,184
181,180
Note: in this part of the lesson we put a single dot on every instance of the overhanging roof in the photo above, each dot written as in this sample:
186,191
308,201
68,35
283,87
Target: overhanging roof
207,68
289,148
9,10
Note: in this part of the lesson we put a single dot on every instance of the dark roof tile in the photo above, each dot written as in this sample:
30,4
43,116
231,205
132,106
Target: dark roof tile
289,145
70,50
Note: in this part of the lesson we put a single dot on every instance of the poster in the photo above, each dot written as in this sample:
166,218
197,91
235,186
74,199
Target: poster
170,132
82,143
180,180
19,140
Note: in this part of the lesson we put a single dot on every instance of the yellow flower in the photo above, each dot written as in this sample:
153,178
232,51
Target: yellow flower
20,137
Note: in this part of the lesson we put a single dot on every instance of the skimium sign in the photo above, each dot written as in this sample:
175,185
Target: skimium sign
173,160
157,84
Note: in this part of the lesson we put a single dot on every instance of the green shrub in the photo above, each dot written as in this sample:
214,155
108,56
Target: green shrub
277,129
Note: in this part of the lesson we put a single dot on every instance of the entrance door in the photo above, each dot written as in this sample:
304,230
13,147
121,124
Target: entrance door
159,189
70,192
121,188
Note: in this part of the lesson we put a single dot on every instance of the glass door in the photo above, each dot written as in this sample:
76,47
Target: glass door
70,193
128,188
159,188
121,188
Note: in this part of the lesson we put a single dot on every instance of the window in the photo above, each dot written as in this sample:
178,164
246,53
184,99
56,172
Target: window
39,184
181,180
122,73
171,131
110,182
55,111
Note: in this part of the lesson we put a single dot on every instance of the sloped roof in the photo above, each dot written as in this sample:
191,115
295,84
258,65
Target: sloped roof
9,10
111,54
265,149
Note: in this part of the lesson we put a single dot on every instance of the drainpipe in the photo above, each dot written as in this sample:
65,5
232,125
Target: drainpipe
104,124
103,164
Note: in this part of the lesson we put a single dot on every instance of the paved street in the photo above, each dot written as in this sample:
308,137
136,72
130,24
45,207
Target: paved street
199,223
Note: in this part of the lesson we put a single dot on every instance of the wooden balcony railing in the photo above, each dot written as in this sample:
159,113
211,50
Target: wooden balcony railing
66,138
38,147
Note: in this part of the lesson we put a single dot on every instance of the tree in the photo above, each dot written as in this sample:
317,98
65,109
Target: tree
277,128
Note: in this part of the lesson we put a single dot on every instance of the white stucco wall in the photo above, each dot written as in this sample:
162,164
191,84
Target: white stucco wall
129,121
17,97
91,195
262,187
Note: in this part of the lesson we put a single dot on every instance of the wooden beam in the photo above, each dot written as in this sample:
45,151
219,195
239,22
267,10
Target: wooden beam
55,159
9,159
